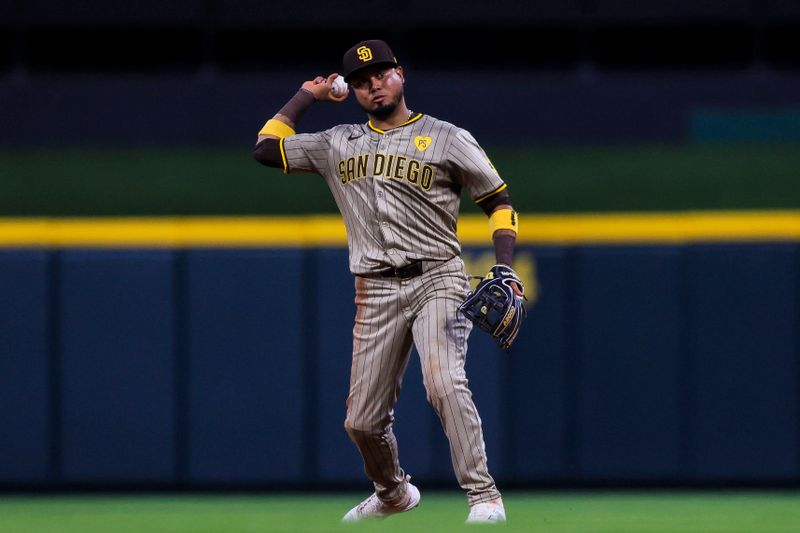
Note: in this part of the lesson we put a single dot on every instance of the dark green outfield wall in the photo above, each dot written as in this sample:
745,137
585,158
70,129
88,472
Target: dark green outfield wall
549,180
673,364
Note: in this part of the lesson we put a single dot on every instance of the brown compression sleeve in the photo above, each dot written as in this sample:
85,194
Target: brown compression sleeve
297,106
268,152
504,241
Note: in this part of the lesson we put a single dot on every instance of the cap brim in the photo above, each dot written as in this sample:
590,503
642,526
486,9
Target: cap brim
349,75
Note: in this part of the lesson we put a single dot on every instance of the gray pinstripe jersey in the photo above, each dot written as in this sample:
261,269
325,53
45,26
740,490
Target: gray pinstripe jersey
398,190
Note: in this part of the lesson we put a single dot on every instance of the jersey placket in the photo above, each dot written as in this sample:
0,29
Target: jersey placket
383,210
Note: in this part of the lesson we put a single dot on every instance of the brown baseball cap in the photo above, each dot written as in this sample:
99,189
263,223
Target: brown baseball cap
367,54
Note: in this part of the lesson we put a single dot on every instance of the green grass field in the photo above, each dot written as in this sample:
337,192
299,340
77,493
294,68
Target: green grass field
728,512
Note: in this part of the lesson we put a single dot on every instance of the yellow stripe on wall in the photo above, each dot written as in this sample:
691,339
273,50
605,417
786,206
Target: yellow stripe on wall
328,230
699,226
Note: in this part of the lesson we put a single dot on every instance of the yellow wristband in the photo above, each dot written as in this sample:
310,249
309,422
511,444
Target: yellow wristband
504,219
277,128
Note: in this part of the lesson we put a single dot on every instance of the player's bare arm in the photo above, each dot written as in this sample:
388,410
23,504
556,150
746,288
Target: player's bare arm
283,124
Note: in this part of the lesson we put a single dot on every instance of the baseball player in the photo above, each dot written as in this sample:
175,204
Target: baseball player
397,180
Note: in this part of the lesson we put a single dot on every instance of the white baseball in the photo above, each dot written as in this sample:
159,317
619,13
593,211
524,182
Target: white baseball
339,86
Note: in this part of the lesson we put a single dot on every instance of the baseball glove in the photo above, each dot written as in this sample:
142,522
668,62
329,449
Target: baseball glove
494,307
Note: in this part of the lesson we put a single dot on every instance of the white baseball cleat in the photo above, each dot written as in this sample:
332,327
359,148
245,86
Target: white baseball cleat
374,507
487,513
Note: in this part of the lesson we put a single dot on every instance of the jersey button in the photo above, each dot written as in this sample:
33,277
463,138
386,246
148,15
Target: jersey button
379,194
390,252
384,223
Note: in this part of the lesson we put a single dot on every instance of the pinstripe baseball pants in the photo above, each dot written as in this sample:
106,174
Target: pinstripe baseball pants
391,314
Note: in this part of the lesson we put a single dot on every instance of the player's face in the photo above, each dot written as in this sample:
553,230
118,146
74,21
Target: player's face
379,90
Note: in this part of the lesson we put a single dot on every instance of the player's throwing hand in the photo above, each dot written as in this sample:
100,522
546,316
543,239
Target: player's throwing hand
322,89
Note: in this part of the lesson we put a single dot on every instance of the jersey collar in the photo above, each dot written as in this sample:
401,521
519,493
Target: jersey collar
409,121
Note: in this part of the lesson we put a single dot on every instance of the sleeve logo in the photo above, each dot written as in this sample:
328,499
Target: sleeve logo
422,143
364,53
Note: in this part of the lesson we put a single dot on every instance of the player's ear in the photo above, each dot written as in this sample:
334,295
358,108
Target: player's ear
400,73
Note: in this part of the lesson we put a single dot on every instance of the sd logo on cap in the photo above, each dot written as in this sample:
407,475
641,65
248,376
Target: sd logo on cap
364,53
367,54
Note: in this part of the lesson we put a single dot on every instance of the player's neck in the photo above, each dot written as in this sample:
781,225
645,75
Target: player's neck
399,116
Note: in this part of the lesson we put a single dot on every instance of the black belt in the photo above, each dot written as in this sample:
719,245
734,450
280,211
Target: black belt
403,272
